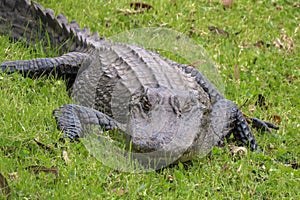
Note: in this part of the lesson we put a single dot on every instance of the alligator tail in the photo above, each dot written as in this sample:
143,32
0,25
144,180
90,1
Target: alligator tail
22,19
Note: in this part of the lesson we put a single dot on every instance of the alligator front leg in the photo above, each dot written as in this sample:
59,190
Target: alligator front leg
75,120
226,119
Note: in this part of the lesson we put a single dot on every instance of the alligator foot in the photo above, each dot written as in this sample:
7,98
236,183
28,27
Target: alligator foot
75,121
263,125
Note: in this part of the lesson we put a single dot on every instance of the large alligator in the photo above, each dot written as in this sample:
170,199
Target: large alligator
161,106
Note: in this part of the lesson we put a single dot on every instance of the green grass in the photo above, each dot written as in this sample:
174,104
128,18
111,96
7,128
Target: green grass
247,71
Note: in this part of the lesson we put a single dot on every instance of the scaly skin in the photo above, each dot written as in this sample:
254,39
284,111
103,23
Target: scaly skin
158,103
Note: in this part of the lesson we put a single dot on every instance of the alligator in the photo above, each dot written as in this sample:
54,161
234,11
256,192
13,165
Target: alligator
160,105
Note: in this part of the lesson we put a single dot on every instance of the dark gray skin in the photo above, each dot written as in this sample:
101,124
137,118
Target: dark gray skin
159,104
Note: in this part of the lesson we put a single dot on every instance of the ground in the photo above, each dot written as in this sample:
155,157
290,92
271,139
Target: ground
255,46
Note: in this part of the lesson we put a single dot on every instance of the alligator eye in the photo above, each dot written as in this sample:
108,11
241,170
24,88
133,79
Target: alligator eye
174,102
186,107
146,105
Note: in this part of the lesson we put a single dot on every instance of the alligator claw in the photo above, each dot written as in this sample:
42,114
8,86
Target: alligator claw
263,125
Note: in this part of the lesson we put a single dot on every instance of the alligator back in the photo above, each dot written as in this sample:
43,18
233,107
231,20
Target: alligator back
115,72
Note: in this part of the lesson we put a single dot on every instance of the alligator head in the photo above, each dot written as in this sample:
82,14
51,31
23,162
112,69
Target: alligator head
163,120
